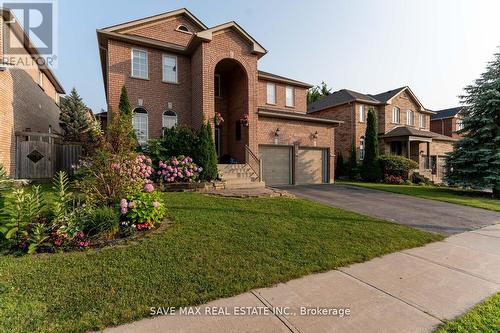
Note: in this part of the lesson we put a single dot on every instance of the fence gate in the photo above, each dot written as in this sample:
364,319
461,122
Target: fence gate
41,155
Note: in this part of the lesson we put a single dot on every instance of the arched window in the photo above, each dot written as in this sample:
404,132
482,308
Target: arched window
169,119
410,118
362,148
140,124
182,27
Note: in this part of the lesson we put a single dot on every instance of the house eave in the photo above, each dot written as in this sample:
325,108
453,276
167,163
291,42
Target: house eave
295,116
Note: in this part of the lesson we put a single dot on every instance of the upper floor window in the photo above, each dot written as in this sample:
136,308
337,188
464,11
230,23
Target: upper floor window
362,148
410,118
217,92
396,115
169,68
460,124
290,96
140,124
169,119
183,28
271,93
139,64
421,120
362,113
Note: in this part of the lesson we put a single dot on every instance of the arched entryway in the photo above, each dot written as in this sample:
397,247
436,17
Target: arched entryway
231,102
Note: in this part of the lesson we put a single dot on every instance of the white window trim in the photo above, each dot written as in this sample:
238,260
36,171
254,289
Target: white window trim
362,114
362,148
141,142
394,120
410,118
421,120
267,93
166,55
218,86
172,116
459,125
132,64
292,89
186,32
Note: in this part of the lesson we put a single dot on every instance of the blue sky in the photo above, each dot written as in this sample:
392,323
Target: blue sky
434,46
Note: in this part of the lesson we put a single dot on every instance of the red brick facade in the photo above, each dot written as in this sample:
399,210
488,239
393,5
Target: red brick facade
446,126
226,51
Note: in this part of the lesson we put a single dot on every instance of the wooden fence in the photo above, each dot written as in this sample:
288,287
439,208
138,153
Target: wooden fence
41,155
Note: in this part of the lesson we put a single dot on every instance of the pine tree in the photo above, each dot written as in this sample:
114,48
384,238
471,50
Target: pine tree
475,160
352,167
124,105
75,118
121,135
370,170
339,166
207,155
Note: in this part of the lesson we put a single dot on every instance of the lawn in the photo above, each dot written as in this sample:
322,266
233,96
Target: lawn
484,318
471,198
215,247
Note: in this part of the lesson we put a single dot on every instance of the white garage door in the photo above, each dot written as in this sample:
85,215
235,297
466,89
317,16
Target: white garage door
276,165
311,166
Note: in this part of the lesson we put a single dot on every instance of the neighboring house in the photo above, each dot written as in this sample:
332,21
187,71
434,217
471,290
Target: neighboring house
179,71
447,122
403,126
102,118
29,97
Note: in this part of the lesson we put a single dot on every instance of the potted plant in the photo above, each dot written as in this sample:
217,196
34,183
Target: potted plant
218,120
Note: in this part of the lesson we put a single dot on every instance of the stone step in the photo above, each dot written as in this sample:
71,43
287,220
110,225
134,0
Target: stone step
251,185
240,180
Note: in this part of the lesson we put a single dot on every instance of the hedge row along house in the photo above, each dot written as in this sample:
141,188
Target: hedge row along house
404,126
179,71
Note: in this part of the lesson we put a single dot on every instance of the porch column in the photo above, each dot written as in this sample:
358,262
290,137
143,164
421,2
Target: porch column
408,150
428,158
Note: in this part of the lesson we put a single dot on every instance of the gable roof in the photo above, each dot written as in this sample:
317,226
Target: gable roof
18,30
386,96
410,131
278,78
446,113
340,97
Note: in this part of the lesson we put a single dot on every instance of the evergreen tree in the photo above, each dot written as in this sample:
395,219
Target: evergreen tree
339,166
352,166
207,155
475,160
75,117
121,135
370,170
124,105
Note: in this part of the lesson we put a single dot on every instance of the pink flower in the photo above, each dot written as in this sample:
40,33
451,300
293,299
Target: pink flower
123,210
131,204
156,204
148,188
123,203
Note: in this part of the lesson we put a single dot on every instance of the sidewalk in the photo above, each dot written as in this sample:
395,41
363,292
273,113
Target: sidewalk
409,291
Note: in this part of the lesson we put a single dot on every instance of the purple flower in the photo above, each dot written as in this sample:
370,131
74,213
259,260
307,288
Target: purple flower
123,210
148,188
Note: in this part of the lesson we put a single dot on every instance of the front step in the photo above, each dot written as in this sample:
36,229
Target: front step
239,176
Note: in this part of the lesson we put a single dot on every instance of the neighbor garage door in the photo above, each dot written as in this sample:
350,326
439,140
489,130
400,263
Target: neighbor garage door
311,166
276,164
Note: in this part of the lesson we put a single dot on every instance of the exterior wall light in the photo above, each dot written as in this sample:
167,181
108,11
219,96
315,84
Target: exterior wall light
277,136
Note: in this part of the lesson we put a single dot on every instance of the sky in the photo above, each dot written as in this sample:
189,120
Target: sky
436,47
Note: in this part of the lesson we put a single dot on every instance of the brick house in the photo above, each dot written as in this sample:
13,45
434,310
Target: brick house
179,71
403,126
29,96
447,122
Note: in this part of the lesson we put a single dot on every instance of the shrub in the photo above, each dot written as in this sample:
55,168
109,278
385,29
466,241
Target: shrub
176,141
352,164
206,155
390,179
339,166
178,169
102,221
398,166
417,178
143,210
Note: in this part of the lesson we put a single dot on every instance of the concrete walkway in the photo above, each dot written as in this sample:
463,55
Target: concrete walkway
429,215
408,291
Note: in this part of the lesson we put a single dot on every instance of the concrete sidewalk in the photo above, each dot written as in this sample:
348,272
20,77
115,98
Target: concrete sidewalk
408,291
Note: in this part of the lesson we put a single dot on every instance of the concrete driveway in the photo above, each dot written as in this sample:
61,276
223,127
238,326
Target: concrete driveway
430,215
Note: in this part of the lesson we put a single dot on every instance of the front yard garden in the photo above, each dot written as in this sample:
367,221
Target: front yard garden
215,247
484,318
471,198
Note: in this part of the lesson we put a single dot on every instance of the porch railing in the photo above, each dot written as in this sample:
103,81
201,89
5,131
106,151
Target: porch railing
254,162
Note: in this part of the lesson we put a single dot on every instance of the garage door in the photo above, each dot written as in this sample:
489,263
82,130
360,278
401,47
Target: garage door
311,166
276,165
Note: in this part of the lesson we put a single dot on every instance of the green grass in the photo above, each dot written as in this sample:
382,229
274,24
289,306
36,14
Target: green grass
215,247
470,198
484,318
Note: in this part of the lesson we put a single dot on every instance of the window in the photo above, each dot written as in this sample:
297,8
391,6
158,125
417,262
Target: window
169,68
460,124
362,113
362,148
421,120
217,91
410,119
169,119
183,28
271,93
140,124
396,115
290,96
139,64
